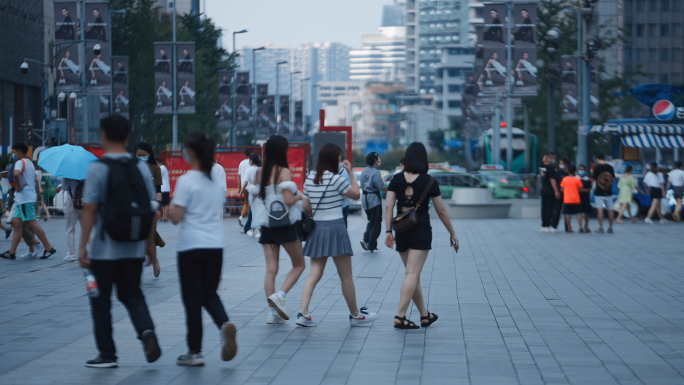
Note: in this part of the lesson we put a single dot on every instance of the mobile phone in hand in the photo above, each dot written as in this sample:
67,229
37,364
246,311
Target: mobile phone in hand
453,243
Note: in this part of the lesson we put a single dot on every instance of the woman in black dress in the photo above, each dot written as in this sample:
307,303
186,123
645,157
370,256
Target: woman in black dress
405,190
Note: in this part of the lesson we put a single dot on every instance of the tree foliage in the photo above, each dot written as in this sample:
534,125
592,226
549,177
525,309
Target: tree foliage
134,34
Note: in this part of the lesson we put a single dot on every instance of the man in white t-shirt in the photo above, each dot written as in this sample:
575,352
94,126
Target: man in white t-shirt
676,180
218,176
25,203
165,190
244,165
250,177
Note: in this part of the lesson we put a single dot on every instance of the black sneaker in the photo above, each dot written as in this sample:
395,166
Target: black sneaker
48,253
100,362
8,232
151,346
7,255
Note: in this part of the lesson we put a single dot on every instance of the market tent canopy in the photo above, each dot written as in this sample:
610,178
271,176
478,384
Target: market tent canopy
644,135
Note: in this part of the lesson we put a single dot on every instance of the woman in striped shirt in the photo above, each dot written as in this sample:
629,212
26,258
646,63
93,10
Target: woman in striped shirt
324,193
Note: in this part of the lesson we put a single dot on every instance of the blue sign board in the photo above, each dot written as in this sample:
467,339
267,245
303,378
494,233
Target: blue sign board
454,143
473,145
380,146
649,94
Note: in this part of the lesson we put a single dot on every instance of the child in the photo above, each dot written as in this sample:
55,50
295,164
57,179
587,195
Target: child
572,205
585,196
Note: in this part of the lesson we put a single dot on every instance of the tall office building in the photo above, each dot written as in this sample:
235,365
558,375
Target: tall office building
430,23
393,15
382,57
266,61
183,6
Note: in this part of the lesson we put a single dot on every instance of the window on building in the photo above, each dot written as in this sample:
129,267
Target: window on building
664,54
439,104
452,72
339,88
432,90
628,5
627,54
677,29
653,30
380,127
676,54
639,55
675,78
652,54
422,91
440,89
677,5
628,29
641,5
663,78
639,30
653,5
664,29
664,5
454,104
454,88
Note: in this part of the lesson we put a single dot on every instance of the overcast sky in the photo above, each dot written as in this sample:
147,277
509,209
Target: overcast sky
291,22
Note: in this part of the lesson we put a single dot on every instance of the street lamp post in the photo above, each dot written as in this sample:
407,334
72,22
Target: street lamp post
111,55
290,107
311,99
254,83
277,96
233,128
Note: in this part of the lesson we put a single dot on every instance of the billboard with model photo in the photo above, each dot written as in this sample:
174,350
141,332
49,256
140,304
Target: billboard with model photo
163,81
186,78
98,66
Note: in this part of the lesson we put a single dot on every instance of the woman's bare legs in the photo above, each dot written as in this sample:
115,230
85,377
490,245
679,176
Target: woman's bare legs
418,293
415,260
344,271
623,206
678,210
654,206
271,254
294,250
315,274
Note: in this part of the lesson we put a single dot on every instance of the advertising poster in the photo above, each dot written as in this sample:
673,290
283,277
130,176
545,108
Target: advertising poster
494,70
104,104
67,63
98,66
524,34
569,89
186,78
523,38
163,82
225,106
120,86
242,84
266,123
494,32
225,79
244,110
284,113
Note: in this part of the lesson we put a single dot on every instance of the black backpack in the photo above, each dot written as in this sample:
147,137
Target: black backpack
127,215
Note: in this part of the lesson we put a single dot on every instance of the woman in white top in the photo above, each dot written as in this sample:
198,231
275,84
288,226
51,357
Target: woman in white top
196,206
250,178
655,185
324,193
165,190
676,180
274,198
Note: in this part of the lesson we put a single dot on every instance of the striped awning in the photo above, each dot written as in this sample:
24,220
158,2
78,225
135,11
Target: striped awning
661,129
653,140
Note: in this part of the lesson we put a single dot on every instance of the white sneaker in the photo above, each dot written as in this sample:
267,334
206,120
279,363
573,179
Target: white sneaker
240,222
649,221
305,321
544,230
363,318
190,359
552,230
250,233
663,221
70,257
28,254
274,318
278,304
257,234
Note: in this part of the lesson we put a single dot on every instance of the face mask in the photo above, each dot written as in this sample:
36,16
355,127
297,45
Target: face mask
583,173
185,156
14,156
144,158
379,162
553,161
562,166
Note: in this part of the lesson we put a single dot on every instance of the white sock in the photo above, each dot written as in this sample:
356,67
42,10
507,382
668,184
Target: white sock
306,315
281,294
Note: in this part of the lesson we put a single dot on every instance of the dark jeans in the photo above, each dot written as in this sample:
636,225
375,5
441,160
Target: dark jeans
557,210
548,203
248,225
125,274
345,214
200,273
373,227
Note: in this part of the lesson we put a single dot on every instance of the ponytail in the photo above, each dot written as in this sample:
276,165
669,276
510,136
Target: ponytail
203,146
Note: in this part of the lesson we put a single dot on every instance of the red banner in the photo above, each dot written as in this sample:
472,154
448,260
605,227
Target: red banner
230,162
296,159
98,151
177,166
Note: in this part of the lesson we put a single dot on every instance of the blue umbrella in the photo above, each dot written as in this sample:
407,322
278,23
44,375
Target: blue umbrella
66,161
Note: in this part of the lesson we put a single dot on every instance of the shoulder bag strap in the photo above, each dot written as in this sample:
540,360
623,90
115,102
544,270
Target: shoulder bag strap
425,192
322,196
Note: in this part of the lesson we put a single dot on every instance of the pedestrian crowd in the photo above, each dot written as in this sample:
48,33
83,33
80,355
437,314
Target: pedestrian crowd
123,196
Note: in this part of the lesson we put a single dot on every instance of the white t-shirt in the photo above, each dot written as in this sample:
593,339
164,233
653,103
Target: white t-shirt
28,180
326,200
202,224
166,186
676,177
653,180
250,175
218,175
244,165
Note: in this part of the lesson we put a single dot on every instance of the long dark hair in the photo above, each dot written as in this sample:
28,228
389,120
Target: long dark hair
328,160
148,149
654,168
203,146
275,156
416,159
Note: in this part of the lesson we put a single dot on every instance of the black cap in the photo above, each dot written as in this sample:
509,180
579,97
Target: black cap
371,158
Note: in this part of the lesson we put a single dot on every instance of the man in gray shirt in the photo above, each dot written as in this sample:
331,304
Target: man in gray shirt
115,262
371,184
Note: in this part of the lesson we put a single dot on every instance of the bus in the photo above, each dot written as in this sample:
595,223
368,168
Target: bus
485,151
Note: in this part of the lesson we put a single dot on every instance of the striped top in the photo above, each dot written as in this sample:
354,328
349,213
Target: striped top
330,206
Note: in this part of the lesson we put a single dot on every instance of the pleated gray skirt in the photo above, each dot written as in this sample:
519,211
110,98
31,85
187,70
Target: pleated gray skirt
328,239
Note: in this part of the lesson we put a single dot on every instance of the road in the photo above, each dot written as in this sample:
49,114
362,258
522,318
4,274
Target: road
516,307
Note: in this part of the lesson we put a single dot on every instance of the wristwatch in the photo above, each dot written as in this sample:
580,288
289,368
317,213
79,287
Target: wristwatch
389,231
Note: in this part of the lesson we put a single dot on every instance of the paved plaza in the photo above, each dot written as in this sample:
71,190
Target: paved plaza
516,307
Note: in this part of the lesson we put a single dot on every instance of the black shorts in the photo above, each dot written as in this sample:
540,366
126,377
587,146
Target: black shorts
656,192
572,209
278,235
678,191
419,238
165,199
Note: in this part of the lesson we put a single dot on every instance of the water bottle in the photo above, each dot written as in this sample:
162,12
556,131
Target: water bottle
91,284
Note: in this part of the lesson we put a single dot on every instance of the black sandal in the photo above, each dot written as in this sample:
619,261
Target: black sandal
405,324
430,321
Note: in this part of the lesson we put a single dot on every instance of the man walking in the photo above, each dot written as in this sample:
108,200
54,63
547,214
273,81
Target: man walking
371,183
118,251
25,203
561,172
604,175
242,168
549,193
73,205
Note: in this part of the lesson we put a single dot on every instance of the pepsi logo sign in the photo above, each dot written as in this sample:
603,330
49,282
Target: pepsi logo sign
664,110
